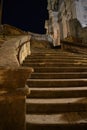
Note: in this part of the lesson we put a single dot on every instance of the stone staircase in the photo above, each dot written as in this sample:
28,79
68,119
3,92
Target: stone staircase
58,98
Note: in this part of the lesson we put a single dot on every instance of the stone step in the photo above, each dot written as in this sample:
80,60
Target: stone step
56,82
42,52
56,57
58,54
56,60
49,106
56,64
67,92
59,69
63,121
58,98
70,75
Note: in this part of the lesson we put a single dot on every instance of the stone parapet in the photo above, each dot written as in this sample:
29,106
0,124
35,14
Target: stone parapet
74,47
12,97
36,36
14,51
13,89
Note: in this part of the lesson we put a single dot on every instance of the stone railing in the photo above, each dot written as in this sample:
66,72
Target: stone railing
23,50
43,37
13,77
74,47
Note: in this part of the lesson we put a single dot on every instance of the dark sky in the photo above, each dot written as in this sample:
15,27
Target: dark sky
29,15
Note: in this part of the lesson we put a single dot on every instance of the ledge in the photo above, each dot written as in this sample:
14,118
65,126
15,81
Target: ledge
74,47
14,79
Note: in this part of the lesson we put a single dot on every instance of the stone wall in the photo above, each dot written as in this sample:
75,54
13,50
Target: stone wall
70,19
9,30
84,35
74,47
38,36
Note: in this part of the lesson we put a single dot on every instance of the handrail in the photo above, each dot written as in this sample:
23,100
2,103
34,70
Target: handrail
26,43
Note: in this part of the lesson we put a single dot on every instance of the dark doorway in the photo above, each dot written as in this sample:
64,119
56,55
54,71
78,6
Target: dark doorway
29,15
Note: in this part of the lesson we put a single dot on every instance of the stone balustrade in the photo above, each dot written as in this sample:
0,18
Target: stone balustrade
74,47
13,89
36,36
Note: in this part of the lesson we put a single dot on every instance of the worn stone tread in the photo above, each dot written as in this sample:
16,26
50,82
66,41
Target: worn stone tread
61,75
56,56
50,106
58,101
51,80
68,92
60,89
62,118
56,60
58,98
60,69
57,82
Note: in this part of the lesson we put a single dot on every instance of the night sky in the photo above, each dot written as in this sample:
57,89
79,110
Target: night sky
29,15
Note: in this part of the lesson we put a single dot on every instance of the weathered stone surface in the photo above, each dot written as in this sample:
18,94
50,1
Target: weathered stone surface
56,105
53,27
13,78
7,30
12,97
14,51
12,83
53,5
12,112
72,19
74,47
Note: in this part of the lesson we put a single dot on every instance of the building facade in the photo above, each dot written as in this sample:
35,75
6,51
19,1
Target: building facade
67,18
52,25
